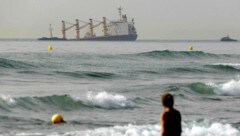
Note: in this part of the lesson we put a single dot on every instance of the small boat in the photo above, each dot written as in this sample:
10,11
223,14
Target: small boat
228,39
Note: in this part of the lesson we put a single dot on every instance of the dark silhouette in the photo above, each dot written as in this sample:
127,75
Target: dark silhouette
171,118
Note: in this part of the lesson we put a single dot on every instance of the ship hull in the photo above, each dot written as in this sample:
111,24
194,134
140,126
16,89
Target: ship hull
131,37
231,40
112,38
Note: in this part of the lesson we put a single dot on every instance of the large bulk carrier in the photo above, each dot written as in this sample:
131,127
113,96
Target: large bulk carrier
120,30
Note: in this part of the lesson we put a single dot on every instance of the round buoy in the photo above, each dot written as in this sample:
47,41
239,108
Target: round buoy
50,48
57,118
190,48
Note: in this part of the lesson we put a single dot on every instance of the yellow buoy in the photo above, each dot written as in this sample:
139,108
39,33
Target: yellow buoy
57,118
50,48
190,48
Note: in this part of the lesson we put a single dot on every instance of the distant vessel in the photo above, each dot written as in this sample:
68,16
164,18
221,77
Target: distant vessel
228,39
120,30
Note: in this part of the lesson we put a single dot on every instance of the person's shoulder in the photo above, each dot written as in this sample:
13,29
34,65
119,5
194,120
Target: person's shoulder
166,115
176,112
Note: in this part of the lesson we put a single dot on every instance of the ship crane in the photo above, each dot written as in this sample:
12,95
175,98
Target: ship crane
64,29
91,26
78,28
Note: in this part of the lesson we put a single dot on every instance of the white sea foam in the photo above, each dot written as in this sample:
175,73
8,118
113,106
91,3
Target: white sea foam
108,101
128,130
8,99
231,87
214,129
29,134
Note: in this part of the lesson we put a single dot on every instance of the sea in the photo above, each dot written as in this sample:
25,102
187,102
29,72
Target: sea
115,88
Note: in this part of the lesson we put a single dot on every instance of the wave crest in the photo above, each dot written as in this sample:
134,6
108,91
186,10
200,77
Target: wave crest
8,63
87,74
108,101
179,54
226,67
201,88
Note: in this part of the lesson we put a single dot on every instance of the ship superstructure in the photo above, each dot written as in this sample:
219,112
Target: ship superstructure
119,30
228,39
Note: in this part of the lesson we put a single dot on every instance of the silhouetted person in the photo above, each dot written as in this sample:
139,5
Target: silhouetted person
171,118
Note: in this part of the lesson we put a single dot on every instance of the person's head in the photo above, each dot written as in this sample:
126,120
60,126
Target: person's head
167,100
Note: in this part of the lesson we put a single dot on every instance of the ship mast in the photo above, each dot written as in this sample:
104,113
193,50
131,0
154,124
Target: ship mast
50,30
120,12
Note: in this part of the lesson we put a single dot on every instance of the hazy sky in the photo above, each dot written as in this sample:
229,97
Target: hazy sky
154,19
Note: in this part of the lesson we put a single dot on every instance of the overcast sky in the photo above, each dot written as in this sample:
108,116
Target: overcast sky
154,19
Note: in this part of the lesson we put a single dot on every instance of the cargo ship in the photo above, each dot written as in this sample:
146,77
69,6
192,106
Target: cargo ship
228,39
119,30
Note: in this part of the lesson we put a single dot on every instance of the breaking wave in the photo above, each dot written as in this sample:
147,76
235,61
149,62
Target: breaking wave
231,87
65,102
108,101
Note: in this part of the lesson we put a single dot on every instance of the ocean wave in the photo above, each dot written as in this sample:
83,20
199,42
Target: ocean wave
87,74
182,54
208,129
231,87
201,88
230,67
236,65
8,63
186,70
108,101
65,102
